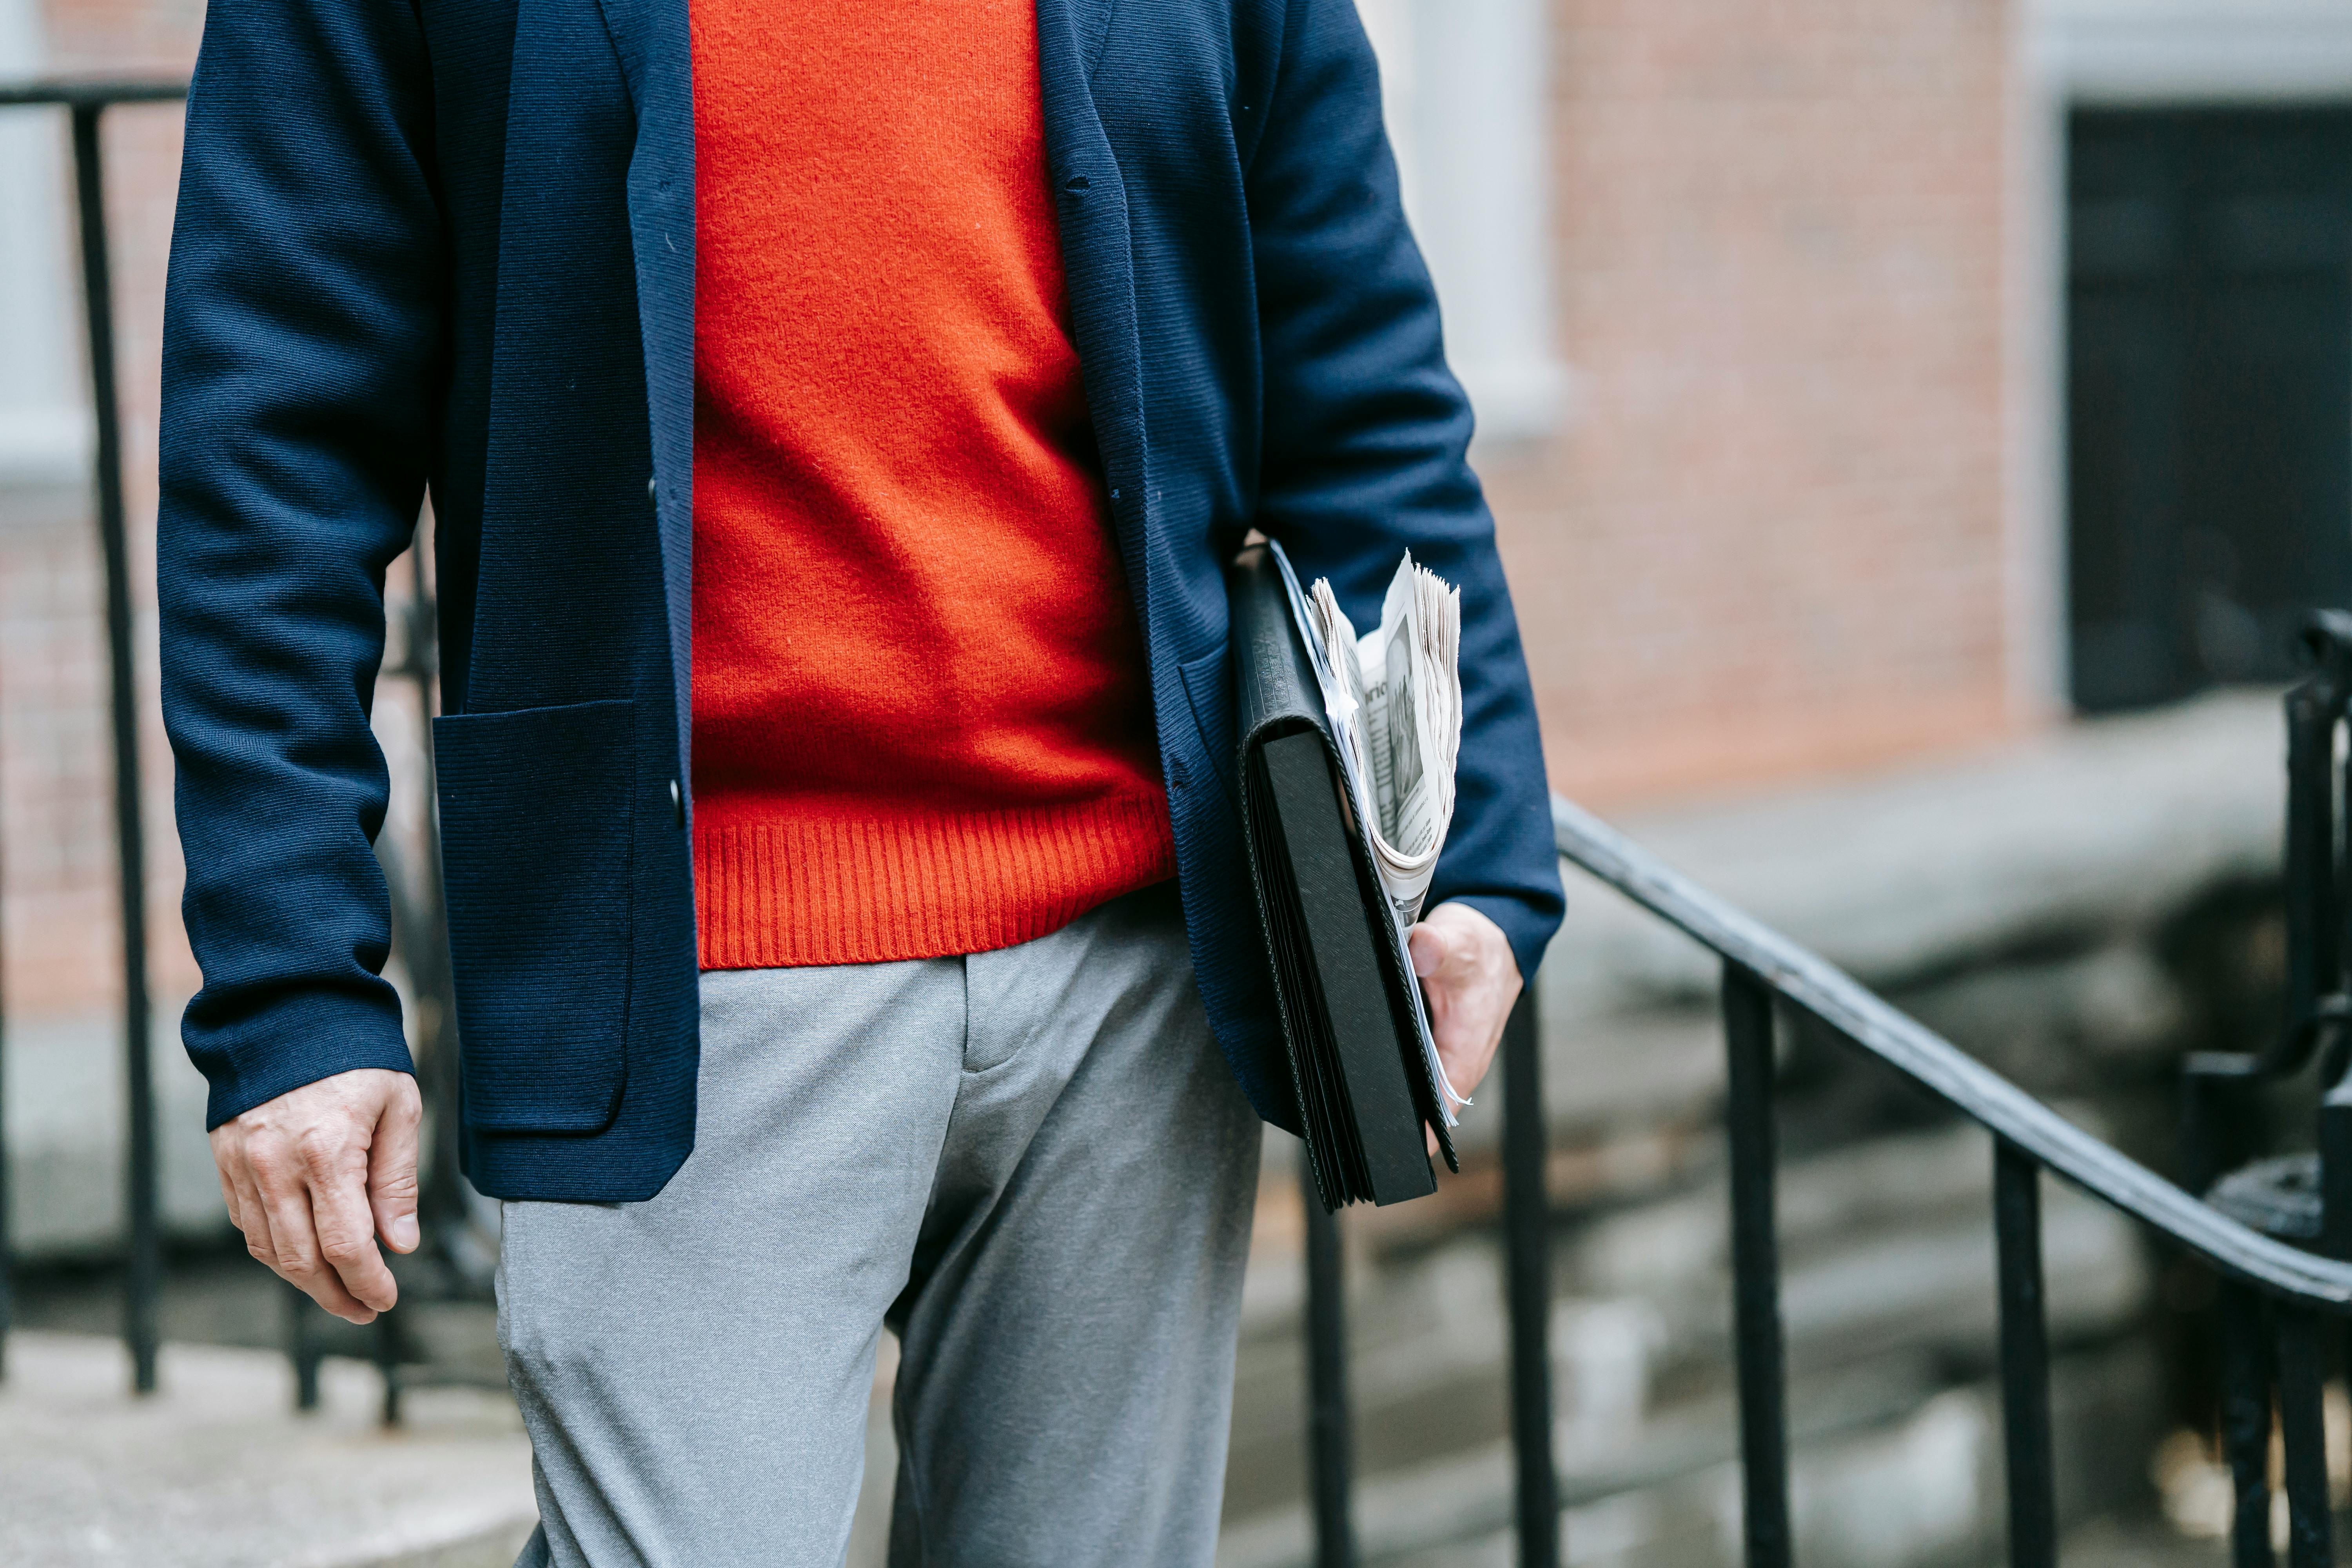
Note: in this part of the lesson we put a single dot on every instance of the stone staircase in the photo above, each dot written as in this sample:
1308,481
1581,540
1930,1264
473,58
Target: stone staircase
1890,1316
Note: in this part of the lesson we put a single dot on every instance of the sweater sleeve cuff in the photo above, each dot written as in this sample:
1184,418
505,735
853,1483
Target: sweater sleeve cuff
303,1041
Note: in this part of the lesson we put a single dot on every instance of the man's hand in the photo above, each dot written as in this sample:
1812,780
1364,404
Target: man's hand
1465,964
314,1176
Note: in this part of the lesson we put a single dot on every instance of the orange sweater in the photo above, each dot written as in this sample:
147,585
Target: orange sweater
921,723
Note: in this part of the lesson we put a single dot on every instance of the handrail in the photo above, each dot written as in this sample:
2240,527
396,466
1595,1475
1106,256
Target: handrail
1973,1089
66,93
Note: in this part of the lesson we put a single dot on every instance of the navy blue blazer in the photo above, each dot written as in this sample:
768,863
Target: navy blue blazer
450,244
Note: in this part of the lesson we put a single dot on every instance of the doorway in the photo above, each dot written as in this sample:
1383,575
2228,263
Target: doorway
2210,394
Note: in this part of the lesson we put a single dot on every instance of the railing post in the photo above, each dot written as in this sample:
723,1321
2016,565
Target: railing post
145,1262
2025,1359
387,1366
2246,1423
2302,1372
1756,1269
1327,1382
2314,960
442,1202
8,1243
1527,1229
301,1347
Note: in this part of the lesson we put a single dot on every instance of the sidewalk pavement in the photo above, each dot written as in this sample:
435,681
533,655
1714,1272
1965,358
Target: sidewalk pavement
217,1470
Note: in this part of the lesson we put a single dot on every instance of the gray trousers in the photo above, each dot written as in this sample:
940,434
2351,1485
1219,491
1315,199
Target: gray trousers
1031,1164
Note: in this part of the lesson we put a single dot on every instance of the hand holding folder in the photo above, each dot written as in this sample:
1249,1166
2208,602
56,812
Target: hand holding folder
1366,1069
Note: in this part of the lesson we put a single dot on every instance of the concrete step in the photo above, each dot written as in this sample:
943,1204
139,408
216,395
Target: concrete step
216,1471
1886,1472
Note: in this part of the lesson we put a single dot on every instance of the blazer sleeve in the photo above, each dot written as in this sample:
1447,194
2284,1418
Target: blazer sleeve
303,319
1367,437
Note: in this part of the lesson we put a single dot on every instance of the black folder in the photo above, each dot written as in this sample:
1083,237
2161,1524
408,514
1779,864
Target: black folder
1350,1007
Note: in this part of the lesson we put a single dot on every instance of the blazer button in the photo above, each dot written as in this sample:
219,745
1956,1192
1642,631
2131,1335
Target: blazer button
676,802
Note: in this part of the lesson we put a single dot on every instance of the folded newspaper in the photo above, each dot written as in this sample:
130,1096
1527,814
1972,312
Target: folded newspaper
1394,697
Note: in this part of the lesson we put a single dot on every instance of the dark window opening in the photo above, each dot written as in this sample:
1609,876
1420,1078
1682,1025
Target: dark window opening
2210,394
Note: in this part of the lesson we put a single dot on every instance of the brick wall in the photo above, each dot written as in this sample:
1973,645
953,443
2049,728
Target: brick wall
1769,541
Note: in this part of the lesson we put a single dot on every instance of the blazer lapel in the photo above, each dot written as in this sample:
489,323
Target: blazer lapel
651,38
1090,199
1090,21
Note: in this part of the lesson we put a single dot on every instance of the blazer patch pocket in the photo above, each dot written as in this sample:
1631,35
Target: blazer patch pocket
535,824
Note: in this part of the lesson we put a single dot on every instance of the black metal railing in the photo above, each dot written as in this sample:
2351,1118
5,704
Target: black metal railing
420,935
2286,1287
2276,1294
2270,1349
84,102
1526,1238
2277,1231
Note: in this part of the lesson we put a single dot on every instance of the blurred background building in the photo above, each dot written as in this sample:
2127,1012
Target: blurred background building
1915,428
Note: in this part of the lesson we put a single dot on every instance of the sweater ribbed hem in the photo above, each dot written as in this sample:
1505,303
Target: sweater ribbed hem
777,890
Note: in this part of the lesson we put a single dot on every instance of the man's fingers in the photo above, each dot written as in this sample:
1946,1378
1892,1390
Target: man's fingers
311,1175
1471,980
294,1249
228,1194
392,1169
1428,945
345,1224
252,1216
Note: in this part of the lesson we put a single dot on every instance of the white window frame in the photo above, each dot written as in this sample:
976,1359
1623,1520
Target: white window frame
45,427
1464,86
2187,52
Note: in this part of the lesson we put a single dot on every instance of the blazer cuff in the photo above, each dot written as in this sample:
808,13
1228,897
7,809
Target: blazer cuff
1528,931
302,1042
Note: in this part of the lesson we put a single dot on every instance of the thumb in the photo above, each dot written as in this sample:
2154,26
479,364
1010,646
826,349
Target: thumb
392,1168
1428,947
